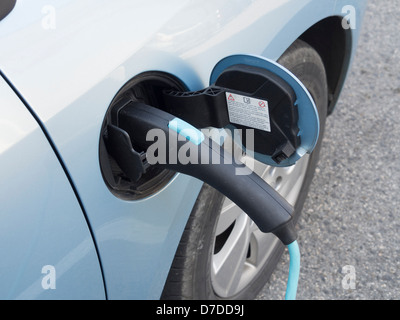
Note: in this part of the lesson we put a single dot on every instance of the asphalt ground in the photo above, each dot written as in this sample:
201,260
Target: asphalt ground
349,233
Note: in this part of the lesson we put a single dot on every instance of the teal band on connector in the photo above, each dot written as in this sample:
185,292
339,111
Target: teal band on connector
294,271
187,130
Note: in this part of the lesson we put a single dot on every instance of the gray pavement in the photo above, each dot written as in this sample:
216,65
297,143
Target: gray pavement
352,214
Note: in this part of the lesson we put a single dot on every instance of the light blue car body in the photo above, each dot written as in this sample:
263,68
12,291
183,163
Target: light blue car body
63,234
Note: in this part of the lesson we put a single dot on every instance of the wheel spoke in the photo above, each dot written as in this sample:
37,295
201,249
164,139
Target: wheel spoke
229,262
257,166
229,213
243,249
262,245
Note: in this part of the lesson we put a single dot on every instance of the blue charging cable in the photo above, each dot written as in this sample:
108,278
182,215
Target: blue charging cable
294,271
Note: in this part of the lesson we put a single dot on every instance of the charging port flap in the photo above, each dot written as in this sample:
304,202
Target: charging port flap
282,114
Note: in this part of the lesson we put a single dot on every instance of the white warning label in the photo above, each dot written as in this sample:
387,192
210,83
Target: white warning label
247,111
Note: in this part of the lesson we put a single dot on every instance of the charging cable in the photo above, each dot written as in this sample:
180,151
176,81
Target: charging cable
266,207
294,271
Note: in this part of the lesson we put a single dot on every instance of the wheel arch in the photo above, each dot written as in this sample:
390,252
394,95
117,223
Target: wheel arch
334,44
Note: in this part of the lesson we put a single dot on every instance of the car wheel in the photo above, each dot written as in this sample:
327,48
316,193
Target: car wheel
222,253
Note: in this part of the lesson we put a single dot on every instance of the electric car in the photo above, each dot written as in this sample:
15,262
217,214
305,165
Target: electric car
73,226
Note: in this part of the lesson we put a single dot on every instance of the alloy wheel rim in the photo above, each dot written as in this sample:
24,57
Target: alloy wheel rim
240,248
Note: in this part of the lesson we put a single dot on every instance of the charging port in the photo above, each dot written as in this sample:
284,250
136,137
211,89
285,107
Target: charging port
146,88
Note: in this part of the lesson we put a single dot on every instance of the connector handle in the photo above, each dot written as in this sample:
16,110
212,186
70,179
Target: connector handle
210,163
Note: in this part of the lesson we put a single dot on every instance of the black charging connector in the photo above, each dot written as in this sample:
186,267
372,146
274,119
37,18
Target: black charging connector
243,97
265,206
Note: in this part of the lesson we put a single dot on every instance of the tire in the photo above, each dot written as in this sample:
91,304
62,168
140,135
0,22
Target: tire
209,231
